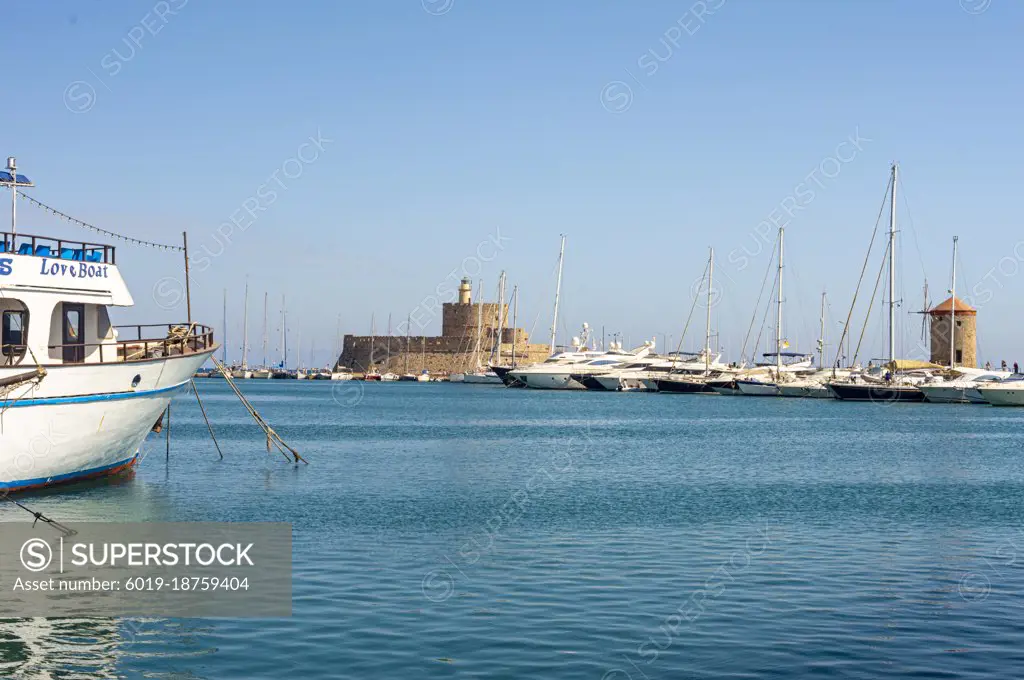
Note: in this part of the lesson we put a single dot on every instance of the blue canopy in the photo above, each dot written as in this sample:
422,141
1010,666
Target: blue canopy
7,178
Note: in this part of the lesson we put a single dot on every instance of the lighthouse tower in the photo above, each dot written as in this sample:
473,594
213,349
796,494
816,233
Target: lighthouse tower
964,330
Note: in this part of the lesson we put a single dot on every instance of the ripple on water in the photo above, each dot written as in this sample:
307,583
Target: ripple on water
443,531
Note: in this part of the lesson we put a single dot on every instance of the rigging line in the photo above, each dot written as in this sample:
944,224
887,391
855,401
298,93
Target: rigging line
689,317
753,317
871,302
126,239
863,270
910,219
764,319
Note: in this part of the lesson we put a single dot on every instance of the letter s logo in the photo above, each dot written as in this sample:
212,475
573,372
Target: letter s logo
5,266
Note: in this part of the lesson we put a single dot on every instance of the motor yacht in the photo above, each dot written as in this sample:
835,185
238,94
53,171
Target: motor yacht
1008,392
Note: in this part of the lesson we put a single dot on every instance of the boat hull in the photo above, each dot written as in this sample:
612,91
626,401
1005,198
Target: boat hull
79,422
683,386
1002,397
805,391
549,381
752,388
505,374
880,393
589,382
482,379
725,387
939,394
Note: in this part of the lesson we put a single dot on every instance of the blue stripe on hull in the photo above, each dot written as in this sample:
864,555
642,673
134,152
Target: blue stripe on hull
87,398
69,477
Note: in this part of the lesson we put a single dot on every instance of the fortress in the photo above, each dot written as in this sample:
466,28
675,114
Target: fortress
455,350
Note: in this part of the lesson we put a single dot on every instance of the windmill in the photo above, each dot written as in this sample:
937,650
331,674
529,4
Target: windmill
923,342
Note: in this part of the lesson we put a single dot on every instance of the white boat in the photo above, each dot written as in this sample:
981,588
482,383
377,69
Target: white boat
1008,392
78,395
425,377
813,385
341,375
962,387
482,377
389,377
241,374
570,370
262,374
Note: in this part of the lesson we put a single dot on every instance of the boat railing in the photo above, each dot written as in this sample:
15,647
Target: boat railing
179,339
62,249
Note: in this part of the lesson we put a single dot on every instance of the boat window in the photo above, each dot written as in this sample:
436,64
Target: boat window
12,342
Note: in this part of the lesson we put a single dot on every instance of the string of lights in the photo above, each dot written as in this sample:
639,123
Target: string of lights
126,239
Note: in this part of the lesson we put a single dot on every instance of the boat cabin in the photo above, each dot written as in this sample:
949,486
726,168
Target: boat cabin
54,300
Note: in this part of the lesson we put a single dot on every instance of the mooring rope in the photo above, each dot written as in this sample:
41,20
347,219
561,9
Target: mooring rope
272,436
40,517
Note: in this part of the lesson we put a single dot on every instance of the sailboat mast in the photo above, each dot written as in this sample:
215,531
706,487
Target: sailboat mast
387,361
707,327
821,334
373,339
558,291
245,328
892,264
501,317
952,311
264,330
515,321
284,336
224,335
408,322
778,312
479,323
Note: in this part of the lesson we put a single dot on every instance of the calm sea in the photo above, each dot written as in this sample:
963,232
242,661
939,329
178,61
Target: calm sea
447,530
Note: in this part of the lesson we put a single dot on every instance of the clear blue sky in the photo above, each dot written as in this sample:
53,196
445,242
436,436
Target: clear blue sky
451,119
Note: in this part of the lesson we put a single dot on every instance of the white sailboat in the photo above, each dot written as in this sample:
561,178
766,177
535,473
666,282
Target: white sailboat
243,372
787,364
264,373
78,394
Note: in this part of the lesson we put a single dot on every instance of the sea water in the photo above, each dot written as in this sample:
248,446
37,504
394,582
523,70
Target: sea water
447,530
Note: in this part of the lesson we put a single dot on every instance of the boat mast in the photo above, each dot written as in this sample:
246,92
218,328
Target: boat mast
224,335
501,317
339,346
952,311
264,330
558,290
12,167
707,328
245,328
778,313
408,322
373,339
892,264
821,334
515,320
387,361
479,322
284,339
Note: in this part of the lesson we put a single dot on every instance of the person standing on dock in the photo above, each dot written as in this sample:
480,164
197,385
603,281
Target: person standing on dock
1016,369
988,365
1003,367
